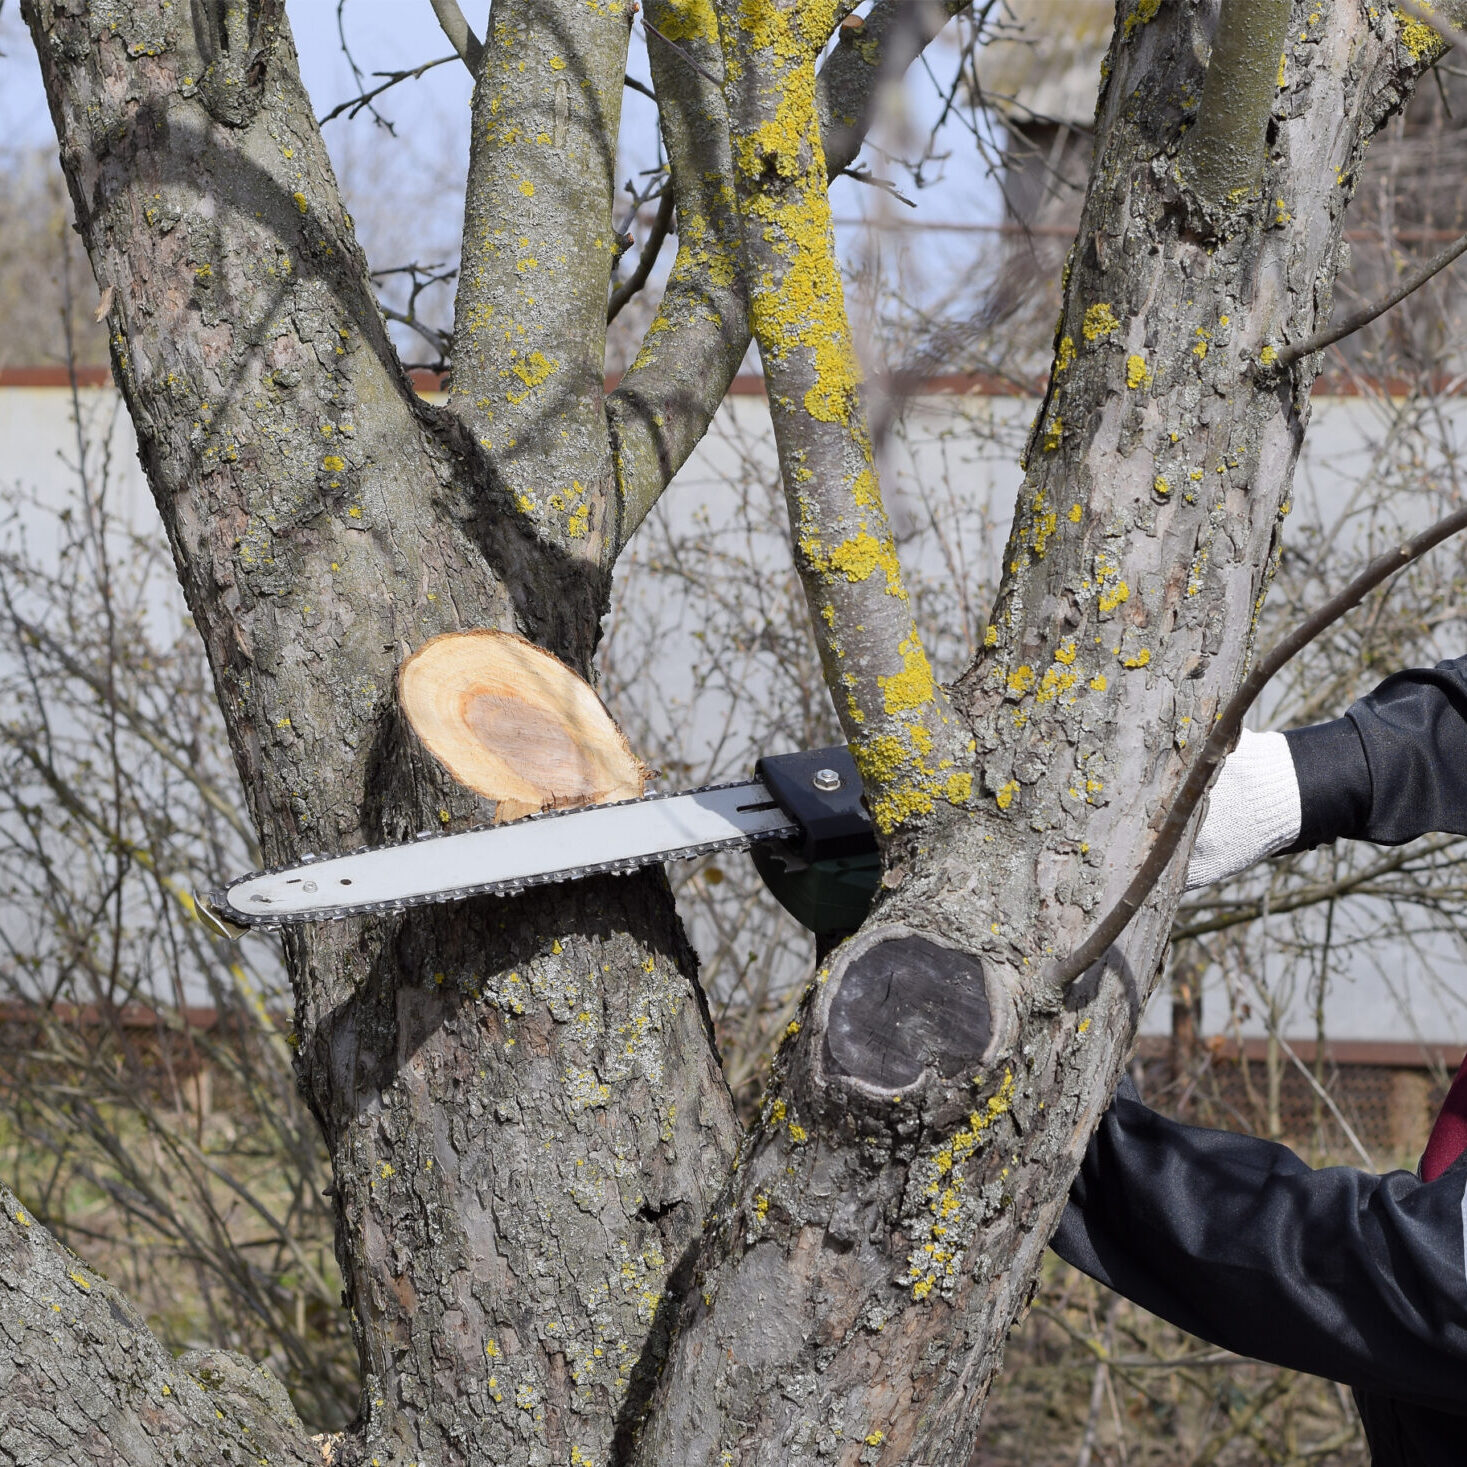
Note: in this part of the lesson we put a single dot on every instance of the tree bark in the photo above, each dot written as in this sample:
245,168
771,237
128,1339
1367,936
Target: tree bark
927,1112
83,1381
526,1118
524,1113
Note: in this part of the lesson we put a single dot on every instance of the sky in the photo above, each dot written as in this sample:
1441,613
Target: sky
384,34
405,188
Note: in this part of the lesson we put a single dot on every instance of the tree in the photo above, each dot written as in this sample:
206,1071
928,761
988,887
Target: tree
556,1244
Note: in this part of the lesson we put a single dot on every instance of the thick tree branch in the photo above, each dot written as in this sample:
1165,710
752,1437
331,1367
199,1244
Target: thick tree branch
1222,154
529,347
469,47
664,404
668,396
908,744
80,1369
871,55
269,312
1225,734
926,1116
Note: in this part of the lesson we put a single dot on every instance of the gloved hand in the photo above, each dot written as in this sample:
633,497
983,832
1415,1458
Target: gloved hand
1252,810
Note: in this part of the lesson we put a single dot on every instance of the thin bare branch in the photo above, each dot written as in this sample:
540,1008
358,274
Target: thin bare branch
468,46
1287,356
1225,732
673,45
144,728
543,156
1314,893
356,104
651,248
871,54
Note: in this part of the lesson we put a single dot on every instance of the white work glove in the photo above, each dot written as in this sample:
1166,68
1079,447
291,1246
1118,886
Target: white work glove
1252,810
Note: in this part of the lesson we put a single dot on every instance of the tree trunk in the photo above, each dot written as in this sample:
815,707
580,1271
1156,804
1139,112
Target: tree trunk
525,1114
921,1129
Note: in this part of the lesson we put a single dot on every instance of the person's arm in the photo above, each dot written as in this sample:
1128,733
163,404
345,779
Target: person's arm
1392,768
1334,1272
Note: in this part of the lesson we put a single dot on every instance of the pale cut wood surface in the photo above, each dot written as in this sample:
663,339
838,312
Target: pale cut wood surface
515,724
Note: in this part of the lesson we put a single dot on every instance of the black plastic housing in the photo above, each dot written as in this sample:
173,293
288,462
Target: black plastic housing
834,821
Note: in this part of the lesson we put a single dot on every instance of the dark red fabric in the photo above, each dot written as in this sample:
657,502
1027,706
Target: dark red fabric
1448,1139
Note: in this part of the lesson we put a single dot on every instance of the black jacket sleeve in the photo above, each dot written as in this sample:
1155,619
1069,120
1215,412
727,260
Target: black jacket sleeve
1393,768
1335,1272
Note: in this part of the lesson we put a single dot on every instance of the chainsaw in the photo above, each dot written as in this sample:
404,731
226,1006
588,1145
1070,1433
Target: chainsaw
801,816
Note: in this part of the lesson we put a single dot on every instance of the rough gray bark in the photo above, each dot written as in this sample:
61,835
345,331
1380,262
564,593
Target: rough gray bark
83,1381
526,1119
524,1114
888,1214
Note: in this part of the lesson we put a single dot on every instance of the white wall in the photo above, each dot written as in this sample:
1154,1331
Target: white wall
957,464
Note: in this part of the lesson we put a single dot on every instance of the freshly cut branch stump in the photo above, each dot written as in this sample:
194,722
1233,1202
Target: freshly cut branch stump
516,725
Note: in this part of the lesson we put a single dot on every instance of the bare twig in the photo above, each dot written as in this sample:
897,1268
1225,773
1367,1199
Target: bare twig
469,47
144,729
865,175
1097,1388
440,341
1287,356
668,41
420,278
651,248
1225,732
1241,913
356,104
1329,1101
356,70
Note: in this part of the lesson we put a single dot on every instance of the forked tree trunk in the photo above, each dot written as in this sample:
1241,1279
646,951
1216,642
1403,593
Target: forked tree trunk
524,1110
927,1113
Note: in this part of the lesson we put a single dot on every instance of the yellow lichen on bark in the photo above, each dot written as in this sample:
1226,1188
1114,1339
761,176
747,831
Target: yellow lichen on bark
903,734
689,20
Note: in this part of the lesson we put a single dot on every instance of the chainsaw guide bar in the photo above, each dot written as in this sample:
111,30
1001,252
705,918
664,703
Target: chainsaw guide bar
500,860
